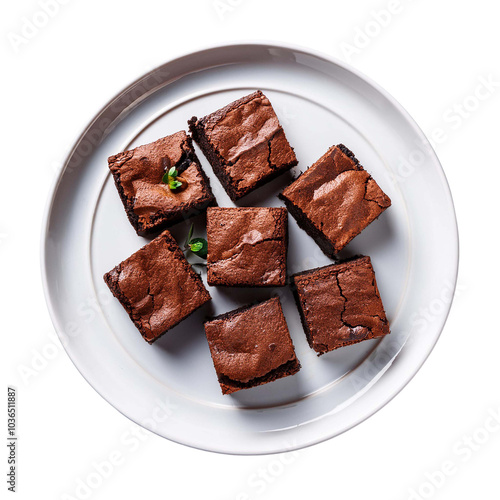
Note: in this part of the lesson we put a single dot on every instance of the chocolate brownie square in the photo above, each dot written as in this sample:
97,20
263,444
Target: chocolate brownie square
150,203
340,304
251,346
247,246
335,199
245,144
157,287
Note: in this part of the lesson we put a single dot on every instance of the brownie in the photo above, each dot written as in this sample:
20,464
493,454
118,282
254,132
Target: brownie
157,287
251,346
149,202
335,199
340,304
245,144
247,246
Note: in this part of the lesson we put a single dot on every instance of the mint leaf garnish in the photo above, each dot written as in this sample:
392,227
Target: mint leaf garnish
174,185
199,247
173,179
196,247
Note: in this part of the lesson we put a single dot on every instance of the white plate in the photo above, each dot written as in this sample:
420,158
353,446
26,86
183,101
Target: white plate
171,387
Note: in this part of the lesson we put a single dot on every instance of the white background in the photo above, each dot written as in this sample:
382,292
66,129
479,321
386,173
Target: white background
431,56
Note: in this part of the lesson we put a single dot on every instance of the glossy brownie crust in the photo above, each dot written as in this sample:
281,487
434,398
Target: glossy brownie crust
148,201
335,199
251,346
247,246
245,144
157,287
340,304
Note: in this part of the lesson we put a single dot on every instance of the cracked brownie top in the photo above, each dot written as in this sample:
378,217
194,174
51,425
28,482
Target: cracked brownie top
247,246
245,143
157,287
340,304
139,177
251,346
335,198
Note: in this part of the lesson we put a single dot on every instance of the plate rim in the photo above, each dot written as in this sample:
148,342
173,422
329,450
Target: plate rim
241,45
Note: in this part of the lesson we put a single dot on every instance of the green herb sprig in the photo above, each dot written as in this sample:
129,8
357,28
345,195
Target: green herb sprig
198,246
170,178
